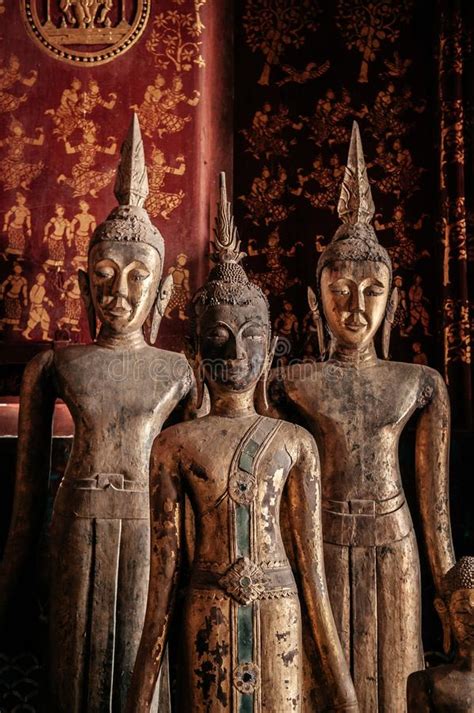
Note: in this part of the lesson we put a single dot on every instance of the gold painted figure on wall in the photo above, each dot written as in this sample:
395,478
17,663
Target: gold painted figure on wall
356,406
17,226
241,625
14,291
119,391
15,172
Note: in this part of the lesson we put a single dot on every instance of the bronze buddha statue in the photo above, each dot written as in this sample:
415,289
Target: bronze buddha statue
241,640
356,406
119,391
450,688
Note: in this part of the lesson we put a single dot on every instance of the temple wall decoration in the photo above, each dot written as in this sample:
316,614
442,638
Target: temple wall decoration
302,77
70,76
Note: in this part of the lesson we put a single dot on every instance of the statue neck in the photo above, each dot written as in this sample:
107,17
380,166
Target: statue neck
113,340
366,356
231,404
465,658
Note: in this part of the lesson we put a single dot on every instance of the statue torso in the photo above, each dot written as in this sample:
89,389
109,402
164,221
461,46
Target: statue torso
207,450
356,416
118,401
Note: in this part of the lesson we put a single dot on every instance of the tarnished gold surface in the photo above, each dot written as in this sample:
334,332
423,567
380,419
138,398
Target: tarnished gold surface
241,618
356,406
63,28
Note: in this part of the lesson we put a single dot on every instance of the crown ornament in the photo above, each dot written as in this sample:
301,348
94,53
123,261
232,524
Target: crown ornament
129,221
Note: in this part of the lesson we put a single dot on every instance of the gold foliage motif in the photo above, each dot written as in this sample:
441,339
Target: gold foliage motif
366,25
273,25
174,41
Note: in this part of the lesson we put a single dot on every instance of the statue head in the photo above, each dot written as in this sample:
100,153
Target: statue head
126,251
231,316
455,606
354,272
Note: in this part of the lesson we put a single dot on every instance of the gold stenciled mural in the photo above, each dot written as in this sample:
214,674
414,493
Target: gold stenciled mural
59,147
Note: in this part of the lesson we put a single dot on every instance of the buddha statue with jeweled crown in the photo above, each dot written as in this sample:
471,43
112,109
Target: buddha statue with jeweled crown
239,621
356,406
119,390
450,688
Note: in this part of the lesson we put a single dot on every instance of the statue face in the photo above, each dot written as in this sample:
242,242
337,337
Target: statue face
354,296
233,345
124,279
461,615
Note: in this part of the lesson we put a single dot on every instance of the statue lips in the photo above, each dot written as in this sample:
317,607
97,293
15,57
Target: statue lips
235,368
118,309
355,322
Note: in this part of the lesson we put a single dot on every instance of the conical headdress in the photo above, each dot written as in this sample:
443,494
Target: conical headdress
129,221
355,239
227,282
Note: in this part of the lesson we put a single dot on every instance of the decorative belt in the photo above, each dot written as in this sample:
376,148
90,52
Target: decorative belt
107,496
245,581
366,523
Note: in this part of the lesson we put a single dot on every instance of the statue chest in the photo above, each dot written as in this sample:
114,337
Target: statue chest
108,391
355,404
228,471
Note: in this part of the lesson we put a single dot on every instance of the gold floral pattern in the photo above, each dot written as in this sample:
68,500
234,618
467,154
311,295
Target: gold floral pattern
244,581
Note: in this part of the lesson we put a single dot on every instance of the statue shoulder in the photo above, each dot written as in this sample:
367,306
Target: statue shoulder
419,688
41,364
176,366
427,382
298,441
431,386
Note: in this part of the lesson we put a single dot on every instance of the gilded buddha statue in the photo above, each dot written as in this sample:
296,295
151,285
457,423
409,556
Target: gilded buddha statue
450,688
241,617
356,406
119,391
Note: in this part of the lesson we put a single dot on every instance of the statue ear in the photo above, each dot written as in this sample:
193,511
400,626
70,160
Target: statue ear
388,322
162,298
84,286
261,395
443,614
317,321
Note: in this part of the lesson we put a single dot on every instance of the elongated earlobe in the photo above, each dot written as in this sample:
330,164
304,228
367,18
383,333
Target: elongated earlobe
84,286
443,614
161,302
388,322
261,393
317,322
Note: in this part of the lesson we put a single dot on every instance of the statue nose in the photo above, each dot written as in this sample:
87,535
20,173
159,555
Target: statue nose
120,286
357,303
235,349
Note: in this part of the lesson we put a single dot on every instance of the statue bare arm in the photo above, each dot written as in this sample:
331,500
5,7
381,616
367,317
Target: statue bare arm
166,512
432,474
37,399
304,508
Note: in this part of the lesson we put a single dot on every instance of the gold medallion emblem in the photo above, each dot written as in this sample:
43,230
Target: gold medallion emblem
86,31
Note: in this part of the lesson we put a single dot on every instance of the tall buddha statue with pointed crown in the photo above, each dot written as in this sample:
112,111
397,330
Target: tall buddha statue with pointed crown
356,406
240,619
119,391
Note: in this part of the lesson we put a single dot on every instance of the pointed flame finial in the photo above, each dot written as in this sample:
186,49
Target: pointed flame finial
131,183
355,202
226,243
